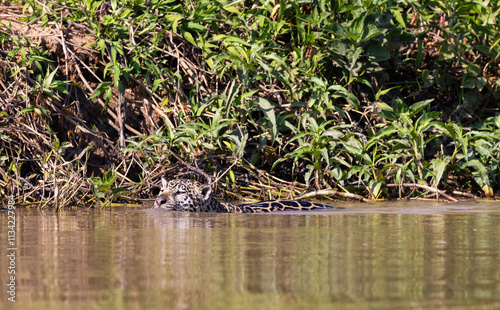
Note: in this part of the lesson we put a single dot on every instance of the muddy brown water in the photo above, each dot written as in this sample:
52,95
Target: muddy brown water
385,256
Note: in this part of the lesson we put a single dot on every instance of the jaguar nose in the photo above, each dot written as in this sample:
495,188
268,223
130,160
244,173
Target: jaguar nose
159,201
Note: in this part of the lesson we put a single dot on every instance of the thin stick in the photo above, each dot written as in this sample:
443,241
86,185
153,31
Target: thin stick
209,179
119,111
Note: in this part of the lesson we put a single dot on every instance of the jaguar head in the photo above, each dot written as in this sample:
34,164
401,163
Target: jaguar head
183,195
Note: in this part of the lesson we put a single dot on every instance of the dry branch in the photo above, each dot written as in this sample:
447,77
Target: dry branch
427,188
333,192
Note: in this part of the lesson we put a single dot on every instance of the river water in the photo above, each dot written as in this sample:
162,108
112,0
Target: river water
382,256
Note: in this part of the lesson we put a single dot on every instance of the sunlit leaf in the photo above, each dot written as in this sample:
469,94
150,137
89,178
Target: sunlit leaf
189,37
268,110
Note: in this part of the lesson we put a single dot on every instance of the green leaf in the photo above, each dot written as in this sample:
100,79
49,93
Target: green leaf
174,19
375,188
420,53
377,53
113,53
439,166
384,106
386,112
386,131
189,37
324,154
47,81
319,82
231,9
196,27
268,110
344,93
469,82
481,83
353,150
101,89
232,177
118,191
307,175
236,40
481,176
472,69
399,18
381,92
116,74
415,108
371,31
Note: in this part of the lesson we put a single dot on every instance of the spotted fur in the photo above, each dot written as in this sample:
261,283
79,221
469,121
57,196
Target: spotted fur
189,195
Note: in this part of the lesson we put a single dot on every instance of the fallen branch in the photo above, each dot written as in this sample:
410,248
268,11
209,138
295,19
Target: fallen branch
428,188
457,193
333,192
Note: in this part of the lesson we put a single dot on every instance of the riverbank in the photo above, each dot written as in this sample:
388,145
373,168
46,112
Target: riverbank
352,100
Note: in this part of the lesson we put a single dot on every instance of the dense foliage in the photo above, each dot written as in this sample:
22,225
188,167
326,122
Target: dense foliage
356,95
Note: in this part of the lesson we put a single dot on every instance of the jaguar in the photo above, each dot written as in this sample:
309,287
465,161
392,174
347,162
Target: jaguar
190,195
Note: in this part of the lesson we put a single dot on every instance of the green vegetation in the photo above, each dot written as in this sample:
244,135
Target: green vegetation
272,98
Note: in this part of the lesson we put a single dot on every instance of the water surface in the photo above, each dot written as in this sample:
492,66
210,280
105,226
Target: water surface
383,256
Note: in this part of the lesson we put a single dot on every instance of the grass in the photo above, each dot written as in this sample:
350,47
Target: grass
271,99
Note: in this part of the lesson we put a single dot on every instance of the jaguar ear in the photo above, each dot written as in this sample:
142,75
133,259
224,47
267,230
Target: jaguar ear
205,191
163,182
